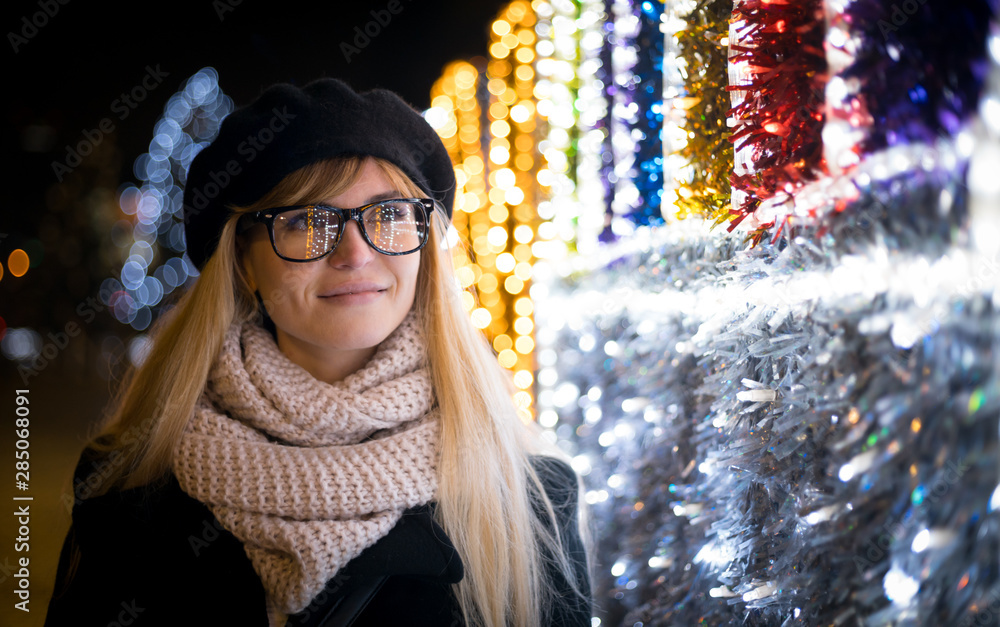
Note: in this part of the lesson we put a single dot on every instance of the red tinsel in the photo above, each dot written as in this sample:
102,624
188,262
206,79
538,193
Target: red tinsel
781,116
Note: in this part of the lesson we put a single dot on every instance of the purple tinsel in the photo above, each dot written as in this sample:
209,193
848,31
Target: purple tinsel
921,64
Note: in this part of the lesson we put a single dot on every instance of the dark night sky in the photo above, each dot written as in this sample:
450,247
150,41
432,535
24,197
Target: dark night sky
65,79
68,74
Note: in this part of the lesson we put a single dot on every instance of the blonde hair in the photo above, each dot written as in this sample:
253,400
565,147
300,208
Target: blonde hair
489,493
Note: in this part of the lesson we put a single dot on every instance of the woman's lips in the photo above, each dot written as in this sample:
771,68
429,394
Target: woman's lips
353,293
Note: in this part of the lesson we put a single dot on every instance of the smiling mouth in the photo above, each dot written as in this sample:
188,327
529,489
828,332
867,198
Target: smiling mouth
356,291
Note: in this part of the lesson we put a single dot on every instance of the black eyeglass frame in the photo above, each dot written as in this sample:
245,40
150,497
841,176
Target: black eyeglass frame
268,216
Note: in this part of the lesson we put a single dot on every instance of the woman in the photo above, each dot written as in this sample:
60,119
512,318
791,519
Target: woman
318,436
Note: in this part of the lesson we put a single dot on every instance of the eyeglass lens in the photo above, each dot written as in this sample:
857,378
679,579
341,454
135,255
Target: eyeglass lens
392,227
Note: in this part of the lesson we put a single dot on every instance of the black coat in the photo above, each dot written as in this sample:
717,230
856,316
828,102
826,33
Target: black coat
156,556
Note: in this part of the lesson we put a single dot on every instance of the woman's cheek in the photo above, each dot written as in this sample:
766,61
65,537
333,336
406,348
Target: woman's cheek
283,286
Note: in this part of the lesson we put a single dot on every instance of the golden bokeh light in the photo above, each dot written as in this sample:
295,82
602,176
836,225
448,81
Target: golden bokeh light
18,262
489,129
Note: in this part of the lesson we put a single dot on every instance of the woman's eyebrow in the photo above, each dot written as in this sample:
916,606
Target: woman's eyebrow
384,196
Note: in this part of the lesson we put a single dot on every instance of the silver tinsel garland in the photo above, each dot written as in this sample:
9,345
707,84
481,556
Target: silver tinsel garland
803,433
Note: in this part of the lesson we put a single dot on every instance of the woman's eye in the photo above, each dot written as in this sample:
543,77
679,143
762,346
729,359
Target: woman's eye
295,222
393,211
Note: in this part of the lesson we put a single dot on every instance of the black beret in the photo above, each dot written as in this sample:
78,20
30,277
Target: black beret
287,128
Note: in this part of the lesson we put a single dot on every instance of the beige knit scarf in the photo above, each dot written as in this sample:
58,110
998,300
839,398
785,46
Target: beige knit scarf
308,474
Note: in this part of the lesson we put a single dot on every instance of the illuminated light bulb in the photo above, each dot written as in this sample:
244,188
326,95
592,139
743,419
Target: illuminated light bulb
505,177
465,276
498,110
524,344
523,270
470,203
523,326
490,300
437,117
505,262
469,133
465,78
524,72
524,161
501,27
899,587
921,541
523,234
513,285
502,342
514,196
488,283
481,246
497,236
523,307
776,128
523,400
519,11
481,318
507,358
443,103
509,41
523,379
473,165
519,113
499,155
846,473
549,419
500,128
498,68
498,50
499,213
18,262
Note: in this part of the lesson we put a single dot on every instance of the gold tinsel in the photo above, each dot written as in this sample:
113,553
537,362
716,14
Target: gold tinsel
703,46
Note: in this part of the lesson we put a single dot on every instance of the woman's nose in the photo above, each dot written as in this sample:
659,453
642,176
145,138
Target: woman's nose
353,250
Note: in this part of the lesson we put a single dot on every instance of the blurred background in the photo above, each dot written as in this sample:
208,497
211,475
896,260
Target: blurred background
741,259
84,93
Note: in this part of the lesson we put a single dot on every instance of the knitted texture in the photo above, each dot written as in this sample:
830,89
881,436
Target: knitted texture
308,474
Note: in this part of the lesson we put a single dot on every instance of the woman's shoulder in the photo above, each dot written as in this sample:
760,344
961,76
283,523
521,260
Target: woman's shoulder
146,503
153,544
149,517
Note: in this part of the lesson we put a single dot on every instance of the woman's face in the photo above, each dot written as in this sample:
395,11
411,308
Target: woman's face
333,312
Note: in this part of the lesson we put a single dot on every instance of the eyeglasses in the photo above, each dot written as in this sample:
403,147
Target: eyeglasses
308,232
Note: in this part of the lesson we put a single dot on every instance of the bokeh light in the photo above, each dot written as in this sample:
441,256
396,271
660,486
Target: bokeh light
18,262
